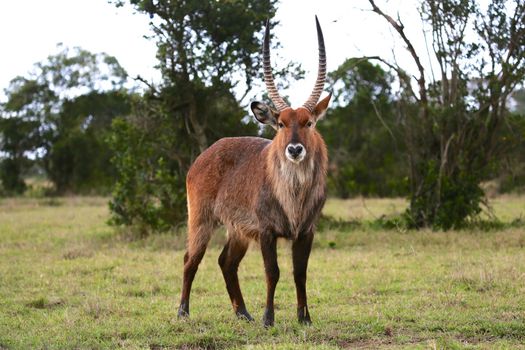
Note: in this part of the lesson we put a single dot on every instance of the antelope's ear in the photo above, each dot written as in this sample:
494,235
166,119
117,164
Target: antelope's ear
264,114
322,106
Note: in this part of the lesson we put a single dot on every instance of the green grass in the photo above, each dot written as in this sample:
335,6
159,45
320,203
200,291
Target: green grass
69,281
505,208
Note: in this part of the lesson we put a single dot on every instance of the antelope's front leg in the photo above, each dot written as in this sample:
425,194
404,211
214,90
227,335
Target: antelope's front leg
269,253
301,252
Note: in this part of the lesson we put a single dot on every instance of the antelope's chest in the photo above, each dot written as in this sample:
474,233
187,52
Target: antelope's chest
290,210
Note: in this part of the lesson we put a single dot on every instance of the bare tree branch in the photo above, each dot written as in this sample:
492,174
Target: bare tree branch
400,72
147,83
399,27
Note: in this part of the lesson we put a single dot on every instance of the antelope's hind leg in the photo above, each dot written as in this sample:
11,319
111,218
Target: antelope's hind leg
229,261
199,235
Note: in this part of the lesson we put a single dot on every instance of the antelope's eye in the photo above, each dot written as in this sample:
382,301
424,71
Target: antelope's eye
281,125
309,124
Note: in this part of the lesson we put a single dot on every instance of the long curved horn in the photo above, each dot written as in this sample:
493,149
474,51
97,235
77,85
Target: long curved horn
321,72
268,76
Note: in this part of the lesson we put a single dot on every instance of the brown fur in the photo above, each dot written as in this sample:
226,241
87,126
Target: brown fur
248,185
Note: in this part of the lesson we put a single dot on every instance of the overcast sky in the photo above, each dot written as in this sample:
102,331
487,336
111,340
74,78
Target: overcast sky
30,30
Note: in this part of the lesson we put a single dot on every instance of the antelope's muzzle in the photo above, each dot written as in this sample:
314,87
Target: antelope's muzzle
295,152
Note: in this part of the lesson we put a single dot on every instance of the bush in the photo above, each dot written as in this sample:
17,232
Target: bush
150,191
10,177
458,199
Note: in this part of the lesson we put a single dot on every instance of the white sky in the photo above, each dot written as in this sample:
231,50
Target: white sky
30,30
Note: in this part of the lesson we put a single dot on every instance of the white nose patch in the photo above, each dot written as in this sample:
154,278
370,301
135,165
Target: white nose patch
295,152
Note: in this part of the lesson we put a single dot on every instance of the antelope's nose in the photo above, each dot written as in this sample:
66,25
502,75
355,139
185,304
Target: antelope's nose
295,151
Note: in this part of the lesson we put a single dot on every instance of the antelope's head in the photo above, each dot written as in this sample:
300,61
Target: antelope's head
296,134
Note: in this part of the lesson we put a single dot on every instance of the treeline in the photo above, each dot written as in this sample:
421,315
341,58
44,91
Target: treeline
56,121
80,122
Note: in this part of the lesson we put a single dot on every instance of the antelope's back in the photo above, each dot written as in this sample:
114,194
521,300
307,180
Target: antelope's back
228,171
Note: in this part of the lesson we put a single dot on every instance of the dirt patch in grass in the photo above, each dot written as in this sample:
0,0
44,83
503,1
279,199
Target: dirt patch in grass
45,303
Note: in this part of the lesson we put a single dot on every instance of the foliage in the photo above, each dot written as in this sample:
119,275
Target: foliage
452,126
511,175
150,190
79,159
361,134
17,137
57,116
28,107
204,50
11,177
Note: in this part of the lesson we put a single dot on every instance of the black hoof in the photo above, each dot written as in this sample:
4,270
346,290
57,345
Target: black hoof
268,319
304,316
305,321
184,311
244,315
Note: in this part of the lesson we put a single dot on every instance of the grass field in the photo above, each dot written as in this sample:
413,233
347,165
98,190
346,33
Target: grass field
69,281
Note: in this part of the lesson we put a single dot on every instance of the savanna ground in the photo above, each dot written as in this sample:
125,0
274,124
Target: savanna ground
68,281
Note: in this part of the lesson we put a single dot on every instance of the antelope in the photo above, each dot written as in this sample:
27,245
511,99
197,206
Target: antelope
261,190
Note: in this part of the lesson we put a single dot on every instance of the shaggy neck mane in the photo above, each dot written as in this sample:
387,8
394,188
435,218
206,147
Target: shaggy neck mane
297,186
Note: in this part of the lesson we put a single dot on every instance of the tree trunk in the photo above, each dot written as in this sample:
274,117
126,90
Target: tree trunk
198,128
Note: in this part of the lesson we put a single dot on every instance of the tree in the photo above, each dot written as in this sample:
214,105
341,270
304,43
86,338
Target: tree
79,160
204,49
365,155
29,104
45,108
451,126
510,176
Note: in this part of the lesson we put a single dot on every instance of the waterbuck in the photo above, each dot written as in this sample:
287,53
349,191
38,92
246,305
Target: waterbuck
261,190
